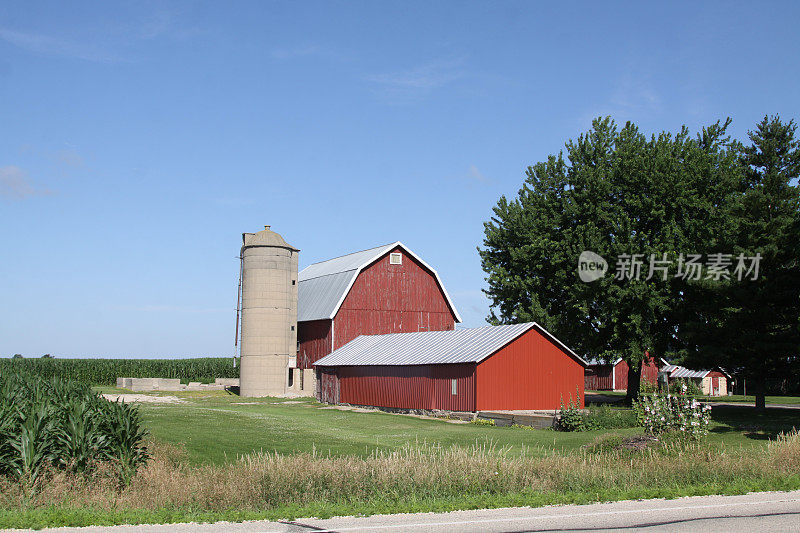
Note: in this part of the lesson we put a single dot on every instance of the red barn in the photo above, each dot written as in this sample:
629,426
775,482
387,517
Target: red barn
614,376
387,289
513,367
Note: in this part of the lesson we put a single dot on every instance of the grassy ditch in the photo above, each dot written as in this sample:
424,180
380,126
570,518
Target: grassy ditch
409,479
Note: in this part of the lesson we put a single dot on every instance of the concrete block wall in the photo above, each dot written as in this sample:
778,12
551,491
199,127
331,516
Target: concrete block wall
303,382
152,384
173,385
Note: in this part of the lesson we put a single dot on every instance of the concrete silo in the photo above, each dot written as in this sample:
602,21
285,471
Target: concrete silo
269,313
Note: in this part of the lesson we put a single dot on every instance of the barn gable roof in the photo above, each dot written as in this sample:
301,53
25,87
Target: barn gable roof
322,287
433,347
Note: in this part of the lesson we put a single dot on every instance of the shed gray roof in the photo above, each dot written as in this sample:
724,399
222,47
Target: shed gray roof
323,286
432,347
676,371
595,361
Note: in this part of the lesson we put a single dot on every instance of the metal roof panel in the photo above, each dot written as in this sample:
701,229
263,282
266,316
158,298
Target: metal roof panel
431,347
354,261
317,297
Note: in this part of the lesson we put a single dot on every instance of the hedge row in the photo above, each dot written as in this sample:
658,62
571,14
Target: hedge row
106,371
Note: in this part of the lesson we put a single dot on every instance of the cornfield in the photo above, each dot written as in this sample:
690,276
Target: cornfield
60,424
106,371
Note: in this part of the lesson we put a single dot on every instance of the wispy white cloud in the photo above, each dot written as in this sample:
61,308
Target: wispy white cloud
158,24
476,175
308,51
68,158
426,77
14,183
165,23
633,97
46,45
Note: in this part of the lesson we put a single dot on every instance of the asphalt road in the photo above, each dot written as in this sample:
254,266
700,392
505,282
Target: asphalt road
764,511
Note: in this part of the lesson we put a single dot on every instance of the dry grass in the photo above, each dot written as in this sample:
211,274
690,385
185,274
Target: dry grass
268,481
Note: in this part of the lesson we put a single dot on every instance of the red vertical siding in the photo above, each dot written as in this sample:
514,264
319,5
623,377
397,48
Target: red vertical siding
409,387
529,373
388,298
649,371
621,376
598,377
314,339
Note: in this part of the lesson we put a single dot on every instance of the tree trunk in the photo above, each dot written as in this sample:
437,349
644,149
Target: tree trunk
634,382
760,393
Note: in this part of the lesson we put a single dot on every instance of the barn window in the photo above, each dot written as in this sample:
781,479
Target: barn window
453,387
292,328
294,281
395,258
291,377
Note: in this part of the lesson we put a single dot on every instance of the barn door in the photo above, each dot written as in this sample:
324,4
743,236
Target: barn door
328,386
715,386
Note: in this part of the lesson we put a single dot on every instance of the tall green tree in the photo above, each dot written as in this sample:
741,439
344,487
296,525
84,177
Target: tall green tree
749,321
628,198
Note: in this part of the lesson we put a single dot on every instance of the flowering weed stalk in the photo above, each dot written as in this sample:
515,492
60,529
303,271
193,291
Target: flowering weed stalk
659,413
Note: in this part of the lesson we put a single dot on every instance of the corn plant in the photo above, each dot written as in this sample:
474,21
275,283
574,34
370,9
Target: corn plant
106,371
59,423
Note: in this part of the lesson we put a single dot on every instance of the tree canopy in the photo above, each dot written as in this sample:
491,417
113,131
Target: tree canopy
751,324
657,209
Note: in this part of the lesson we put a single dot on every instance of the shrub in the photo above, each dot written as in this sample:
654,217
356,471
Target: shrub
609,417
482,422
570,417
660,413
684,387
648,387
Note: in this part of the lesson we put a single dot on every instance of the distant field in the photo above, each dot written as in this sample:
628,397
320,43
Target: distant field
106,371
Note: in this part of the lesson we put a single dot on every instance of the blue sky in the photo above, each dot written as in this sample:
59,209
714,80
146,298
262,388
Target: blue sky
139,140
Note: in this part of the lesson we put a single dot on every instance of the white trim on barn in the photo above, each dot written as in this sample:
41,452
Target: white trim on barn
338,266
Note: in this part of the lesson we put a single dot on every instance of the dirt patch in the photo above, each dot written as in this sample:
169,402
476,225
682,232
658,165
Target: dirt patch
142,398
637,443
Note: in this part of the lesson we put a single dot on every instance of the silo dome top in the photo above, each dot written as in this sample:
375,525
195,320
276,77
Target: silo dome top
267,237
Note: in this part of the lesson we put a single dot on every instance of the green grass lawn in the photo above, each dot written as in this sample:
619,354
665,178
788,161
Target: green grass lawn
738,398
734,398
216,427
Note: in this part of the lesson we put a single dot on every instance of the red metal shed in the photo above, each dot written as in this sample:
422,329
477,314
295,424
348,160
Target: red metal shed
614,376
513,367
388,289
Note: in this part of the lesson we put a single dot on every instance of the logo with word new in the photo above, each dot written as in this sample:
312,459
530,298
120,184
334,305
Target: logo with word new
591,266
